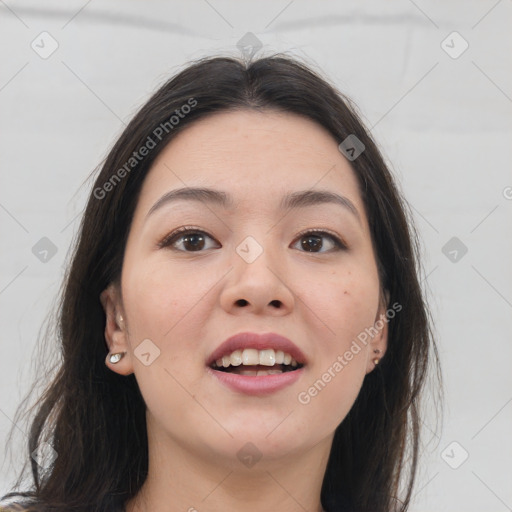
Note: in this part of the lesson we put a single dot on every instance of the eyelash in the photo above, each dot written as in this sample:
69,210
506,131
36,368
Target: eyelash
169,239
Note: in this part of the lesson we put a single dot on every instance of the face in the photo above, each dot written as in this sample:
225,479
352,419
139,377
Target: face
247,266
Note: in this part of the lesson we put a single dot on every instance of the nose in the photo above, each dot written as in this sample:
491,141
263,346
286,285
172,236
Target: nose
258,283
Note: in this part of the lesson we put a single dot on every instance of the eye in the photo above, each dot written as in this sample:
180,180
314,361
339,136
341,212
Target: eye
190,237
193,240
312,239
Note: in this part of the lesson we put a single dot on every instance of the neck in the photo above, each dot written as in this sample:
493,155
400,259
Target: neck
185,479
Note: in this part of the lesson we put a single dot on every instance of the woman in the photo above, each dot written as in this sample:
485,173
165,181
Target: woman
242,324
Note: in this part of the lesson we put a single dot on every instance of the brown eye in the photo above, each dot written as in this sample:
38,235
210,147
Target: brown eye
311,241
192,240
195,240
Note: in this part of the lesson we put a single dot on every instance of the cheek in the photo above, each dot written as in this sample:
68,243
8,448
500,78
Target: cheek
346,304
331,394
346,301
163,305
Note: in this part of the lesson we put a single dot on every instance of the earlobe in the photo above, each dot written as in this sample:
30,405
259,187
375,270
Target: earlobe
119,363
115,331
379,343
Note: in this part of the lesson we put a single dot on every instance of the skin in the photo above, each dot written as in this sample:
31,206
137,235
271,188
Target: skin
188,303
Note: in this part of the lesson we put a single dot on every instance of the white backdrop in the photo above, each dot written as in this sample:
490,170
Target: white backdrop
439,104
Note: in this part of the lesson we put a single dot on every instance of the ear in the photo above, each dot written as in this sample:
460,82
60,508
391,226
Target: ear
115,330
379,341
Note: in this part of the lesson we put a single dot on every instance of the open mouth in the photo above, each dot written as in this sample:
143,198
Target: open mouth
255,363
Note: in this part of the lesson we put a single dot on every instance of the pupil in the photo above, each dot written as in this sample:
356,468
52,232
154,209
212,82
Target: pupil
316,241
191,237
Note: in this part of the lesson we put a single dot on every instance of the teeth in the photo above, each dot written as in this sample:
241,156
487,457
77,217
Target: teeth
267,357
236,358
257,373
269,372
250,356
253,357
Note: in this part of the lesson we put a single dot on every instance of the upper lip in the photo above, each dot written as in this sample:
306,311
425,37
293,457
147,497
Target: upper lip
263,341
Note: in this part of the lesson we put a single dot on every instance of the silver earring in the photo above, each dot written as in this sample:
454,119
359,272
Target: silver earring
115,358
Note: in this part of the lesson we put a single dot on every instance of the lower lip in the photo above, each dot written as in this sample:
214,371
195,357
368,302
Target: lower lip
257,385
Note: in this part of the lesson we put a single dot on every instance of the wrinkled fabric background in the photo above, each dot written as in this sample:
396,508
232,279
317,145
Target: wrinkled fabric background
72,74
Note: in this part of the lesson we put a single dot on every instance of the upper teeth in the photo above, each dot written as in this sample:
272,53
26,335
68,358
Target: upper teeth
252,356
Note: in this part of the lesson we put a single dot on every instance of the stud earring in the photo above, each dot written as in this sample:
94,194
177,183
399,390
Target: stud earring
376,360
115,358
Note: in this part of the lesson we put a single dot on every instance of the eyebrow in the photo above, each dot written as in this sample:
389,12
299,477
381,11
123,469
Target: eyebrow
294,200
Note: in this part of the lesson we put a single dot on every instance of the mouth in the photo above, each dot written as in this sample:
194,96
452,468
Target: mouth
256,363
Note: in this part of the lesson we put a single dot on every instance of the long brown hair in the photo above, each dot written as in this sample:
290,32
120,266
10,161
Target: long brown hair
95,419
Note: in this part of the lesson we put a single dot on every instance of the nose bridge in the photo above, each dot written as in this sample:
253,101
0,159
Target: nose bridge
256,229
255,256
250,249
256,279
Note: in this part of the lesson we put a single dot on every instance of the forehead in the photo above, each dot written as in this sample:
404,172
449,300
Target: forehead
253,155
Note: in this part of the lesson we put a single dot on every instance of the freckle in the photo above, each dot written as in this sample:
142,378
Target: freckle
345,292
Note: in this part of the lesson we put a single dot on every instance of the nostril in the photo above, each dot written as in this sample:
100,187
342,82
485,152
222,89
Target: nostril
241,302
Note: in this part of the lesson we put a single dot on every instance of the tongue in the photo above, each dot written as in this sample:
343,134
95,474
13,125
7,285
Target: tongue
242,367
